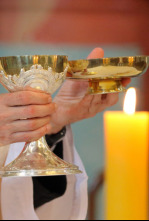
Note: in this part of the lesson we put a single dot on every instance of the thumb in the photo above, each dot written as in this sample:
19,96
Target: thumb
96,53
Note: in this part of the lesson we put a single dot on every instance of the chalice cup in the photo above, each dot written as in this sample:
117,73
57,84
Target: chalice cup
46,73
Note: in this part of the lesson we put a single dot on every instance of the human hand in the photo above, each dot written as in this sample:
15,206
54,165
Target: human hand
73,104
24,116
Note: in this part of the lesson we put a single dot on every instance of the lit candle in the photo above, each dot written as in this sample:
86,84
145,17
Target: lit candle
127,163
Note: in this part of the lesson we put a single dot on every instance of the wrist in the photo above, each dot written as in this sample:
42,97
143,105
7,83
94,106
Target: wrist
55,129
53,139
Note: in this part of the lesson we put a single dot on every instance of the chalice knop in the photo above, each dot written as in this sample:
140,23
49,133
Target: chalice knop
45,73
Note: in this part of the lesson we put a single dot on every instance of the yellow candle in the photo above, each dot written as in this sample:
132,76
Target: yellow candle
127,165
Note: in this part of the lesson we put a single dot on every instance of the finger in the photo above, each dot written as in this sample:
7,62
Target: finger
76,87
27,88
23,98
86,101
30,136
100,103
96,53
96,104
29,125
126,81
111,99
33,111
84,107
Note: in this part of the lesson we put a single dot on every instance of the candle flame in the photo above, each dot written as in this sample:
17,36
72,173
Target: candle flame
130,101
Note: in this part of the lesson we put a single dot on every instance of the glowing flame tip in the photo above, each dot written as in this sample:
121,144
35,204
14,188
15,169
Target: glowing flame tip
130,101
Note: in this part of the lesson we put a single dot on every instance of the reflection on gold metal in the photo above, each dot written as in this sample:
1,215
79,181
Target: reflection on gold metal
46,73
35,59
131,60
105,75
105,86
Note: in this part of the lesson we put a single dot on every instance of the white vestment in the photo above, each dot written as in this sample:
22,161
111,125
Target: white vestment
17,193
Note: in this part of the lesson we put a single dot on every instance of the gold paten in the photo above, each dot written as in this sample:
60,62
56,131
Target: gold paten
105,75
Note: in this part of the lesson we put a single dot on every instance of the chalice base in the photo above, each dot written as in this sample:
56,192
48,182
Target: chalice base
105,86
38,160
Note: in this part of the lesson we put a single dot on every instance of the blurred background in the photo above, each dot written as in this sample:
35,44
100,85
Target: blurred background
74,28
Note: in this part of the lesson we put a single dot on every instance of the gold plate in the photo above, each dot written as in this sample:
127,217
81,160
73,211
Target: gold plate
105,75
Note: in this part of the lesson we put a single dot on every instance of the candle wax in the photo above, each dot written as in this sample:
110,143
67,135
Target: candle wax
127,165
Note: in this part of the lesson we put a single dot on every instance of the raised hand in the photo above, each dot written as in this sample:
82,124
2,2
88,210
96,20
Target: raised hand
74,104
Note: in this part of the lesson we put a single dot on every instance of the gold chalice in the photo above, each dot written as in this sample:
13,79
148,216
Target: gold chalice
105,75
45,73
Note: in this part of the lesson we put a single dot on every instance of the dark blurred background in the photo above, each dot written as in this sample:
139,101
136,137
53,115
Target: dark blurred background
75,27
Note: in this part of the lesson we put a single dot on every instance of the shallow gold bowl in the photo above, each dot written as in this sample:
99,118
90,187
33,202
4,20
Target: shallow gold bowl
105,75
